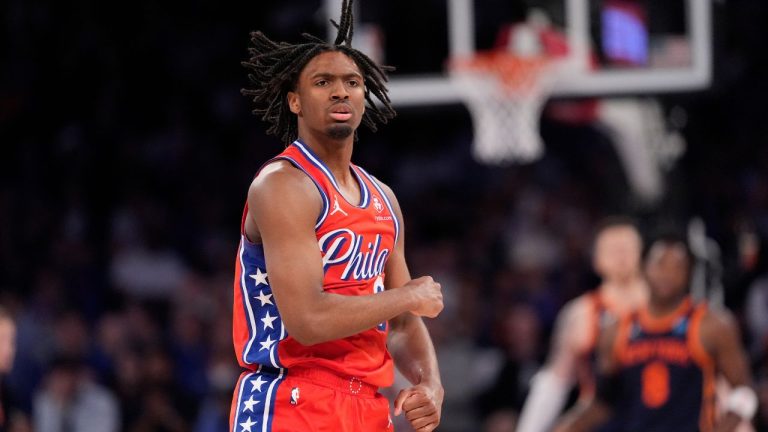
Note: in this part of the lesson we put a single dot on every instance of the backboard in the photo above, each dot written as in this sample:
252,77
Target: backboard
616,47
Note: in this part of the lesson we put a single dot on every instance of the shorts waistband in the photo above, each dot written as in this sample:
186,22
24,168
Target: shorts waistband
343,383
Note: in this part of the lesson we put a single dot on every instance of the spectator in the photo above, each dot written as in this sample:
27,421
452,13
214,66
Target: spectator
756,305
70,401
518,332
7,354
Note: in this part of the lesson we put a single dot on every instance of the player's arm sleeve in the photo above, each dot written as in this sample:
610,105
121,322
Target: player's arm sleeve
544,403
584,417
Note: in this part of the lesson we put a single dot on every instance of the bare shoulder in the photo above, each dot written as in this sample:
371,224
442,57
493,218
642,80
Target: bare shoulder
576,313
280,182
573,321
278,177
718,331
572,337
718,322
282,195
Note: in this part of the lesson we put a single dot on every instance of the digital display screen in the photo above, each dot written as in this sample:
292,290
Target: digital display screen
625,33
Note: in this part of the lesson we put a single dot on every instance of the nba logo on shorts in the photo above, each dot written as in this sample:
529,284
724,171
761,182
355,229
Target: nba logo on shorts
294,396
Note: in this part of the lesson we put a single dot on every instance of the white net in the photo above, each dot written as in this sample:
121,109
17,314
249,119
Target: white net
505,103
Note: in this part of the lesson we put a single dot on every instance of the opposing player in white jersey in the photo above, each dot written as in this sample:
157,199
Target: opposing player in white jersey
617,255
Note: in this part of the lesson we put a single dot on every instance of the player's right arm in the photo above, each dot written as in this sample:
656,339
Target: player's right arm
589,416
553,382
283,208
720,336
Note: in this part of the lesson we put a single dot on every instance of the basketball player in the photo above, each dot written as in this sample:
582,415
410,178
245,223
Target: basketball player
617,252
657,365
324,303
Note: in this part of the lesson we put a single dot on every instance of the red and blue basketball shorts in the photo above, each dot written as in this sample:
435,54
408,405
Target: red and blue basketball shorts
306,400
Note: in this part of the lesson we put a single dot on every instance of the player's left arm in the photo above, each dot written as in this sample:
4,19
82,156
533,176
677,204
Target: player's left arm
721,337
411,347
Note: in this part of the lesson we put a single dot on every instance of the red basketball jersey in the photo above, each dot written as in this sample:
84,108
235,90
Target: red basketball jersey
354,241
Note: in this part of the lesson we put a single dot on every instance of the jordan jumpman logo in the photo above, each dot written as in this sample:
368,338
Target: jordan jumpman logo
337,207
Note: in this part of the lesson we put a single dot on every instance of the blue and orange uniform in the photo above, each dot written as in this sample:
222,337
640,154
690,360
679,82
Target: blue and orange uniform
665,376
333,385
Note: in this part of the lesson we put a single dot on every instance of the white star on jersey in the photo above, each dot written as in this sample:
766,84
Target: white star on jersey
267,320
247,425
259,277
257,383
249,404
264,299
267,343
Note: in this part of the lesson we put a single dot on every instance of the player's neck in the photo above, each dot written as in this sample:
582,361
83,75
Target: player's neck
660,307
334,153
624,293
624,283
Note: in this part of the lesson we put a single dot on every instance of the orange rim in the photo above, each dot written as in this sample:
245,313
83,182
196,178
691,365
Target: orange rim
515,72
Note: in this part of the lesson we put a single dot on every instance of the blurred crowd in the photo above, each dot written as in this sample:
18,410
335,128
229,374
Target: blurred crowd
127,153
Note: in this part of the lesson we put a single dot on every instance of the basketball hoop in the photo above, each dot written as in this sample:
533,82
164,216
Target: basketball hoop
505,94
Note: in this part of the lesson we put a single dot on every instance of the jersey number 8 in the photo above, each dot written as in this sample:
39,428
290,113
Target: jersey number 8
655,384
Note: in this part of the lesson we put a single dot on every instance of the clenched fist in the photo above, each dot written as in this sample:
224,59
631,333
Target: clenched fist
422,406
427,295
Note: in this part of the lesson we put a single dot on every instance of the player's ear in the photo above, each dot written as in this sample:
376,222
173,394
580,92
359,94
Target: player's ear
293,102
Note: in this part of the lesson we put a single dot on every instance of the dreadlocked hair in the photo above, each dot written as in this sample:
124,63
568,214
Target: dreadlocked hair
275,68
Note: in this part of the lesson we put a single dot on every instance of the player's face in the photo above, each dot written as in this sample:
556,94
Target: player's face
7,344
667,270
617,252
330,95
